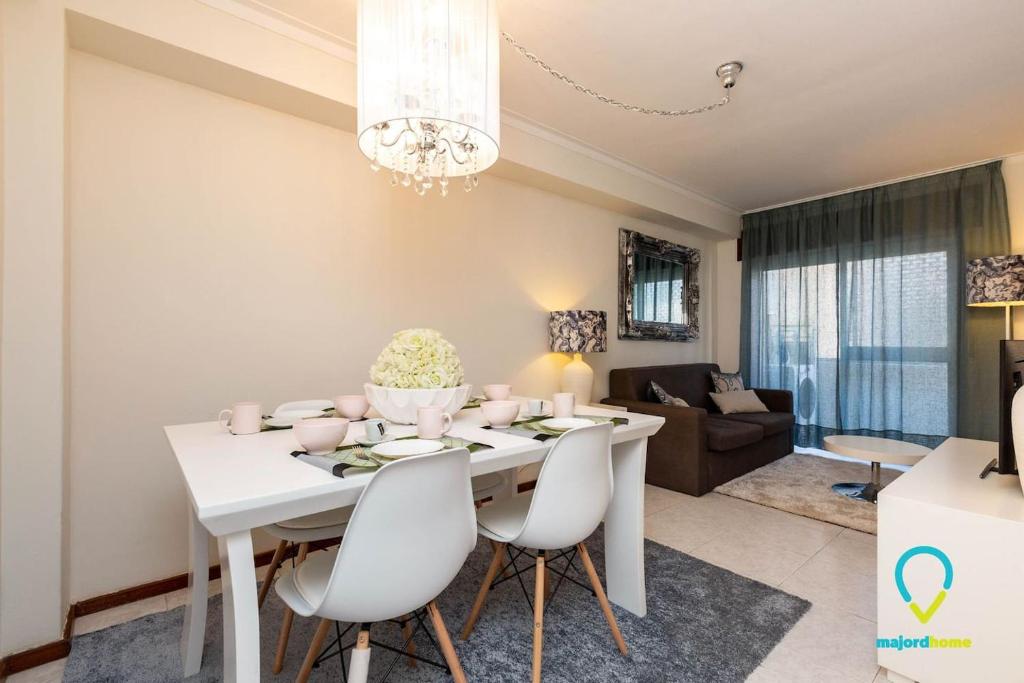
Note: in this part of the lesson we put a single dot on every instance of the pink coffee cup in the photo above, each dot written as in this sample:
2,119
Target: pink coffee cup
432,422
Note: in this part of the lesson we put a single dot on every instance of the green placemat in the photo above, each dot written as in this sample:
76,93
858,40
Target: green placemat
264,427
356,455
534,423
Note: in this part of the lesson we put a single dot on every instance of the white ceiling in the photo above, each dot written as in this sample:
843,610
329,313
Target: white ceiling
833,95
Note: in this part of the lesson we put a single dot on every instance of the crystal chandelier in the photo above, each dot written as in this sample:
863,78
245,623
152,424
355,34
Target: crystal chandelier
428,90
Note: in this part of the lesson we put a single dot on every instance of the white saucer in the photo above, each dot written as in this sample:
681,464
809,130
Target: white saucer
403,448
564,424
366,442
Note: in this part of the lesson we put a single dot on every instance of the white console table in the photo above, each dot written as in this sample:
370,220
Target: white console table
979,525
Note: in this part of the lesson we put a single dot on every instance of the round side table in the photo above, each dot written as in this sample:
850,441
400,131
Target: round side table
876,451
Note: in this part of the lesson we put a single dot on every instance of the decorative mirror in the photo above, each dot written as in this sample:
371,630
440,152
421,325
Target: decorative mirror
659,292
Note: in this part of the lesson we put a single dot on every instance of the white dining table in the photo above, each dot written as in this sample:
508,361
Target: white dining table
239,483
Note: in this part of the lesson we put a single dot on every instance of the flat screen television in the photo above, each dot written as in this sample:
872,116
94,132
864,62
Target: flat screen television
1011,378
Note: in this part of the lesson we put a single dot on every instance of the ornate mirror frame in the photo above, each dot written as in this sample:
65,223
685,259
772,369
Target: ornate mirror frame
632,244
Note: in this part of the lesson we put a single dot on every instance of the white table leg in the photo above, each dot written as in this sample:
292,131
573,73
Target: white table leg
194,632
241,614
624,528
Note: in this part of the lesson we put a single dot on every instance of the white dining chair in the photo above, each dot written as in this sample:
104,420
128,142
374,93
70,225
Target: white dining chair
570,500
408,537
489,485
301,531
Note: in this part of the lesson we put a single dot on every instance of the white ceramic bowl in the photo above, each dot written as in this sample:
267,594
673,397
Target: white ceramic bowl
320,435
497,392
400,405
500,413
352,406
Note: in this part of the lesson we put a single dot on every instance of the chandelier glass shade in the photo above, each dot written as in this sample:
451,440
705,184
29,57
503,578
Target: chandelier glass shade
428,106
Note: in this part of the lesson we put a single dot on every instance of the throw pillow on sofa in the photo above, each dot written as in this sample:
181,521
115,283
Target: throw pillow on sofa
727,381
666,398
739,402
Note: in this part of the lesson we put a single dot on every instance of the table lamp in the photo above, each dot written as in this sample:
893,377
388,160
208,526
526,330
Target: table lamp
578,332
996,281
999,281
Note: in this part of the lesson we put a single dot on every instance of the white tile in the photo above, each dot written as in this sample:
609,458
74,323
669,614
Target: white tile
800,672
657,499
758,558
52,672
679,528
176,599
828,639
119,615
841,575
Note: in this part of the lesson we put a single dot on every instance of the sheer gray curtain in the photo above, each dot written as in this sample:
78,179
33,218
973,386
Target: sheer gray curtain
855,303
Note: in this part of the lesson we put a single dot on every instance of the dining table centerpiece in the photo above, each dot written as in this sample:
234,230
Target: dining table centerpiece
418,368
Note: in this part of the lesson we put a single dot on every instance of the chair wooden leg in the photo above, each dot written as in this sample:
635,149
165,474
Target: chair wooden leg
406,634
286,623
314,650
485,587
538,616
447,649
602,598
496,548
275,564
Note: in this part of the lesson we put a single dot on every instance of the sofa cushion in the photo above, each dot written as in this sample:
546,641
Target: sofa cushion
771,423
725,435
746,401
665,398
727,381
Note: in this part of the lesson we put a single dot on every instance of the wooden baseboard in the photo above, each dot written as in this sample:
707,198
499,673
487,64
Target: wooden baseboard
37,656
59,649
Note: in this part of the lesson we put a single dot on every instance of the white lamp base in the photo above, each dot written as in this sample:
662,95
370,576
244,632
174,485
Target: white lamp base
578,378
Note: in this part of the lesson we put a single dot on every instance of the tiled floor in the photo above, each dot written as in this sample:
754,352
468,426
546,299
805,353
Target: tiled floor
832,567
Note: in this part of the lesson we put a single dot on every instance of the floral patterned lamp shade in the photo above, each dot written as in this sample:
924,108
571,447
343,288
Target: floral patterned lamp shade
578,331
996,281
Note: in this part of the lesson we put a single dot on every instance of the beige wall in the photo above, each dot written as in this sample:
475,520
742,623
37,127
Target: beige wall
1013,176
726,292
33,596
221,251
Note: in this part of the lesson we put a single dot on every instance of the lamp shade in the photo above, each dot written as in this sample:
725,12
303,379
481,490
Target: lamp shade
428,86
578,331
996,281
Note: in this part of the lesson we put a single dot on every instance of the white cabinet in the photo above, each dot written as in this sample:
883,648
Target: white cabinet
957,530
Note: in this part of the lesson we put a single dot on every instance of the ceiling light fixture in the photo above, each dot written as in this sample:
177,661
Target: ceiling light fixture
428,90
727,74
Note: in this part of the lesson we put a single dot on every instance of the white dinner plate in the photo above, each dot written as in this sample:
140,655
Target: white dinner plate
320,404
366,442
564,424
403,448
289,418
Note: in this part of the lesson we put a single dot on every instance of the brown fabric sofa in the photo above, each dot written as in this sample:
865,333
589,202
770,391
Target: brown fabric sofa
699,448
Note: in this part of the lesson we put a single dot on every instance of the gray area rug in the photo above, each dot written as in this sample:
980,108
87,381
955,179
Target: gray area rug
802,484
704,624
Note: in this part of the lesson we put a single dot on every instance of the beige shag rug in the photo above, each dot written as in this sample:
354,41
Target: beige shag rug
802,484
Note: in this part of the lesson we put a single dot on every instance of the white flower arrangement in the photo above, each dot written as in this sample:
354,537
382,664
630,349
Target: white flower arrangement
417,358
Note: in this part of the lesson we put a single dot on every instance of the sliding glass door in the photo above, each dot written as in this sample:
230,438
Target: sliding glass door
855,304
